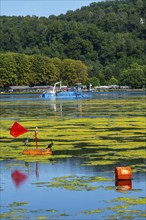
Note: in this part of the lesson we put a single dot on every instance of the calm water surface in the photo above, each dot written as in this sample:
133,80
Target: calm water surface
28,190
53,202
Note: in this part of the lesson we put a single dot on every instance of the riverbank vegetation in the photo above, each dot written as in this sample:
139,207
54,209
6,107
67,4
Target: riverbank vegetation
103,43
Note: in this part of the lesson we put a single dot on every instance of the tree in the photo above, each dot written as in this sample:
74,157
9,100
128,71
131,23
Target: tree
22,69
43,71
133,76
8,73
107,36
113,81
94,81
73,71
79,49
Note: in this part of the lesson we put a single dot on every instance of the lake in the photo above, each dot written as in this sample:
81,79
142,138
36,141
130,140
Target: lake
91,138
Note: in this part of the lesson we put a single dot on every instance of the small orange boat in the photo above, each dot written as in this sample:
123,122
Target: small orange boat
37,152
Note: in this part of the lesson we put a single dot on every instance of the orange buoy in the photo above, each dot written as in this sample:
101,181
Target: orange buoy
37,152
123,185
123,173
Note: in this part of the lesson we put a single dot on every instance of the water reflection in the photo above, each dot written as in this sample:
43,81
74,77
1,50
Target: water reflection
62,107
49,187
16,106
53,107
18,177
123,185
36,169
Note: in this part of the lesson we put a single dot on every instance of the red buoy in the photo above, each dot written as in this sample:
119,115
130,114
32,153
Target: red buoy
123,173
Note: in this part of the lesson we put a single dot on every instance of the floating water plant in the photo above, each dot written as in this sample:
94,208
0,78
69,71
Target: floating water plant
130,201
75,183
116,133
91,211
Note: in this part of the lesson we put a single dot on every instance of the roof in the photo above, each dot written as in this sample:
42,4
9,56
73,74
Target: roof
28,87
19,87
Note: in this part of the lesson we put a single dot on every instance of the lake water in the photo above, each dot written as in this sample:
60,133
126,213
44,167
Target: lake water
66,188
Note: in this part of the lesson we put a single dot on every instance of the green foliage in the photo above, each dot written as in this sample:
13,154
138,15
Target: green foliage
107,36
20,69
113,81
94,81
133,76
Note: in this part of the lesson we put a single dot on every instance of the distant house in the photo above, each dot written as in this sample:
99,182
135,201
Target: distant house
18,88
102,88
125,87
28,88
113,86
40,88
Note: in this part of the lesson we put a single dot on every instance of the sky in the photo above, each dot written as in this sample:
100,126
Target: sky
40,8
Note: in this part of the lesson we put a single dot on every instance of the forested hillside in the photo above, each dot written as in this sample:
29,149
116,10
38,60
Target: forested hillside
107,38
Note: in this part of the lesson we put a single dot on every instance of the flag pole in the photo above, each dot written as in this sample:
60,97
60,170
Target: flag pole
36,138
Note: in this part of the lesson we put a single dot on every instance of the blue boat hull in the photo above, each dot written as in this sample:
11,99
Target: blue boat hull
66,95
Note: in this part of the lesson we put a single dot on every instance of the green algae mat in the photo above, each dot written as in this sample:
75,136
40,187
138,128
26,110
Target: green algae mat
104,132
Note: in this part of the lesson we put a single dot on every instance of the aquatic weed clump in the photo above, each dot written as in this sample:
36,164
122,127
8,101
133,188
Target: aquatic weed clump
115,134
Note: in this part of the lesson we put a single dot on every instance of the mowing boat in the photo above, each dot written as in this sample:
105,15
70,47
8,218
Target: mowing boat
37,152
72,93
62,95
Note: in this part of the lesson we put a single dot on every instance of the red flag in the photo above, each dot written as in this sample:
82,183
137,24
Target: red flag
17,129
